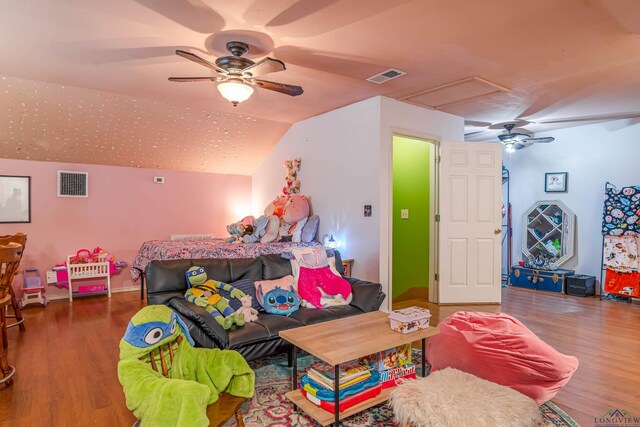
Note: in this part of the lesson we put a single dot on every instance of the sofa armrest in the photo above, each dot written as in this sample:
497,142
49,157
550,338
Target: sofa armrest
200,317
367,296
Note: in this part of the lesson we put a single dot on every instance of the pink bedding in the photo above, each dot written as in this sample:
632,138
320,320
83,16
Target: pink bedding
204,249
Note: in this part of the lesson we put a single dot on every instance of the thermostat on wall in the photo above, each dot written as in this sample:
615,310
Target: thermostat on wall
158,179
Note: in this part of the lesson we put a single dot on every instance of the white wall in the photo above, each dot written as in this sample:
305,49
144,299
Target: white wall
346,163
592,155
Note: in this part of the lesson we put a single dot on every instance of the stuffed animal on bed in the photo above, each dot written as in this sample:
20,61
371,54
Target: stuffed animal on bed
167,382
206,294
259,230
241,228
294,217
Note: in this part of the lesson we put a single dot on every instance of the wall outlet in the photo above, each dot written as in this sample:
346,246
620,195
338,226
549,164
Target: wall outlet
158,179
404,213
367,210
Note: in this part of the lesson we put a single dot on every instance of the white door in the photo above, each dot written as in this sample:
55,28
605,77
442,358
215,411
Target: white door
470,222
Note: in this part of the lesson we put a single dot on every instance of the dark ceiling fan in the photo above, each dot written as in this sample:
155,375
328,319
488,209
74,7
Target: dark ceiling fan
237,75
517,141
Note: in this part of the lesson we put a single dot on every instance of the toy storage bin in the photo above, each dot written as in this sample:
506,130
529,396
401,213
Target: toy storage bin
409,319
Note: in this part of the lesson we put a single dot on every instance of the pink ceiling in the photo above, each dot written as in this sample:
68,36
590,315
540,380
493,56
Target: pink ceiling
86,81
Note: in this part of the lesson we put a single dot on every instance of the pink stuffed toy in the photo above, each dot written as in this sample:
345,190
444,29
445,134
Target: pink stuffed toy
295,215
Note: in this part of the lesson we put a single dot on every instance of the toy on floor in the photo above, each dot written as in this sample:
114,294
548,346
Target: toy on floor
250,314
205,293
169,383
58,275
32,288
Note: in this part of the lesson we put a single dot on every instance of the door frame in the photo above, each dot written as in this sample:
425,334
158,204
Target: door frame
386,232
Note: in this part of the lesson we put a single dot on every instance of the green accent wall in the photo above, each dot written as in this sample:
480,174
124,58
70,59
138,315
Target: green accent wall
411,188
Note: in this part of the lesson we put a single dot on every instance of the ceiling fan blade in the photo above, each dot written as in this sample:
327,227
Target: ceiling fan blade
600,118
264,66
194,79
542,140
477,124
291,90
195,58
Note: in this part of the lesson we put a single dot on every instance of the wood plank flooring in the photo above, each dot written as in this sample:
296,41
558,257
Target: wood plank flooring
66,359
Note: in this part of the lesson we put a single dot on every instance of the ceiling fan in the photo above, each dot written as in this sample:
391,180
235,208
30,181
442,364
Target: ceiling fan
237,75
516,141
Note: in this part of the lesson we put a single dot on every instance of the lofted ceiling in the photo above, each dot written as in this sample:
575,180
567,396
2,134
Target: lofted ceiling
86,81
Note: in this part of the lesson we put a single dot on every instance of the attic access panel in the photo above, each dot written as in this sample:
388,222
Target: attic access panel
455,92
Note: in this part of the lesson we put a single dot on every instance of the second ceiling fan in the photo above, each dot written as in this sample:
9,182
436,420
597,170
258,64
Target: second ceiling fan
236,74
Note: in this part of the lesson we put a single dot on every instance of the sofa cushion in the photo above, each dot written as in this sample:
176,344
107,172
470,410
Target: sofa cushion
267,327
344,310
274,267
309,316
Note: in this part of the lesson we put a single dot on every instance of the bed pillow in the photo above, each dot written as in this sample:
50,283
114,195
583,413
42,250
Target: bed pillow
318,284
310,229
277,296
246,286
296,234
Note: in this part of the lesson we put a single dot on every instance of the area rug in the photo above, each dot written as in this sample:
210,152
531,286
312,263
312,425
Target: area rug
270,408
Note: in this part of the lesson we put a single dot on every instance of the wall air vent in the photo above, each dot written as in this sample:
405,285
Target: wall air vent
385,76
73,184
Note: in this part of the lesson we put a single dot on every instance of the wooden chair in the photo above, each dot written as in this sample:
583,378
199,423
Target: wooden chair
218,412
21,239
9,260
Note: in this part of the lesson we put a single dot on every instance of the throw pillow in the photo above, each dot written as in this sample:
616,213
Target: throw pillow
297,230
246,286
318,285
277,296
310,229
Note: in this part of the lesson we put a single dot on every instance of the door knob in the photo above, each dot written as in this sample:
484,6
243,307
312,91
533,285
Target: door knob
497,231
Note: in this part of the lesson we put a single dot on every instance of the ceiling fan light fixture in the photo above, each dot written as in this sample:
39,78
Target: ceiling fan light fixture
510,147
235,92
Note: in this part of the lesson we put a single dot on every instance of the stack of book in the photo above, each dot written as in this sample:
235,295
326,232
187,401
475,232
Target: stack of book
356,383
350,374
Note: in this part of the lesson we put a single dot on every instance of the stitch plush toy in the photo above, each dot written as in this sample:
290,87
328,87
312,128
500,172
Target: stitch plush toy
167,382
250,314
278,300
205,293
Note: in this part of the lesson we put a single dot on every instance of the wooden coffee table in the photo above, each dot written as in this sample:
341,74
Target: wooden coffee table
343,340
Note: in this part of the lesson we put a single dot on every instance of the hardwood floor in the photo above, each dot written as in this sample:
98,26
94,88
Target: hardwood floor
66,359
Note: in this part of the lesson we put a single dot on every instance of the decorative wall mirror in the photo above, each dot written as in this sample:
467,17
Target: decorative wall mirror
548,232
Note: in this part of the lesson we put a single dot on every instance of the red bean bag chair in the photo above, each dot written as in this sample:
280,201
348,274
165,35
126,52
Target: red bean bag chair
500,349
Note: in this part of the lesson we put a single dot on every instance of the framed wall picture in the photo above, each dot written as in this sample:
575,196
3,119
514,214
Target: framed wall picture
555,182
15,199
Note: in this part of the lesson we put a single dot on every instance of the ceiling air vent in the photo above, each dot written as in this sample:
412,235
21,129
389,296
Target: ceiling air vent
73,184
385,76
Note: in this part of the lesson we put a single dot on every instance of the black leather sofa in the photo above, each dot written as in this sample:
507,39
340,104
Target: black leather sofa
166,285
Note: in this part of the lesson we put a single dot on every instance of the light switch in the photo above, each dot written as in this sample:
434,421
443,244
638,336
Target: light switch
404,213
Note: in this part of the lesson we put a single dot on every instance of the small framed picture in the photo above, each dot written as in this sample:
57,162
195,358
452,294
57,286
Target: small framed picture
555,182
15,199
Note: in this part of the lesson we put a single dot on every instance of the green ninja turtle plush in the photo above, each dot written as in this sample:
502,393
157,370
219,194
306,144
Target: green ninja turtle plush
205,293
169,383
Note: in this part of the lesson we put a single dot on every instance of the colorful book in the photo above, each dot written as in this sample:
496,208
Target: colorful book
323,381
348,371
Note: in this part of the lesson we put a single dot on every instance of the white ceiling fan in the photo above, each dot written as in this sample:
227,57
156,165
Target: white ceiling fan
513,141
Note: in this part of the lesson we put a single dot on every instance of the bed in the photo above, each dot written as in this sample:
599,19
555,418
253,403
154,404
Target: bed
152,250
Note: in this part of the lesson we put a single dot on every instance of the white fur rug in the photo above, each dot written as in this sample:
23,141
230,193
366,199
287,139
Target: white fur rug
452,398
